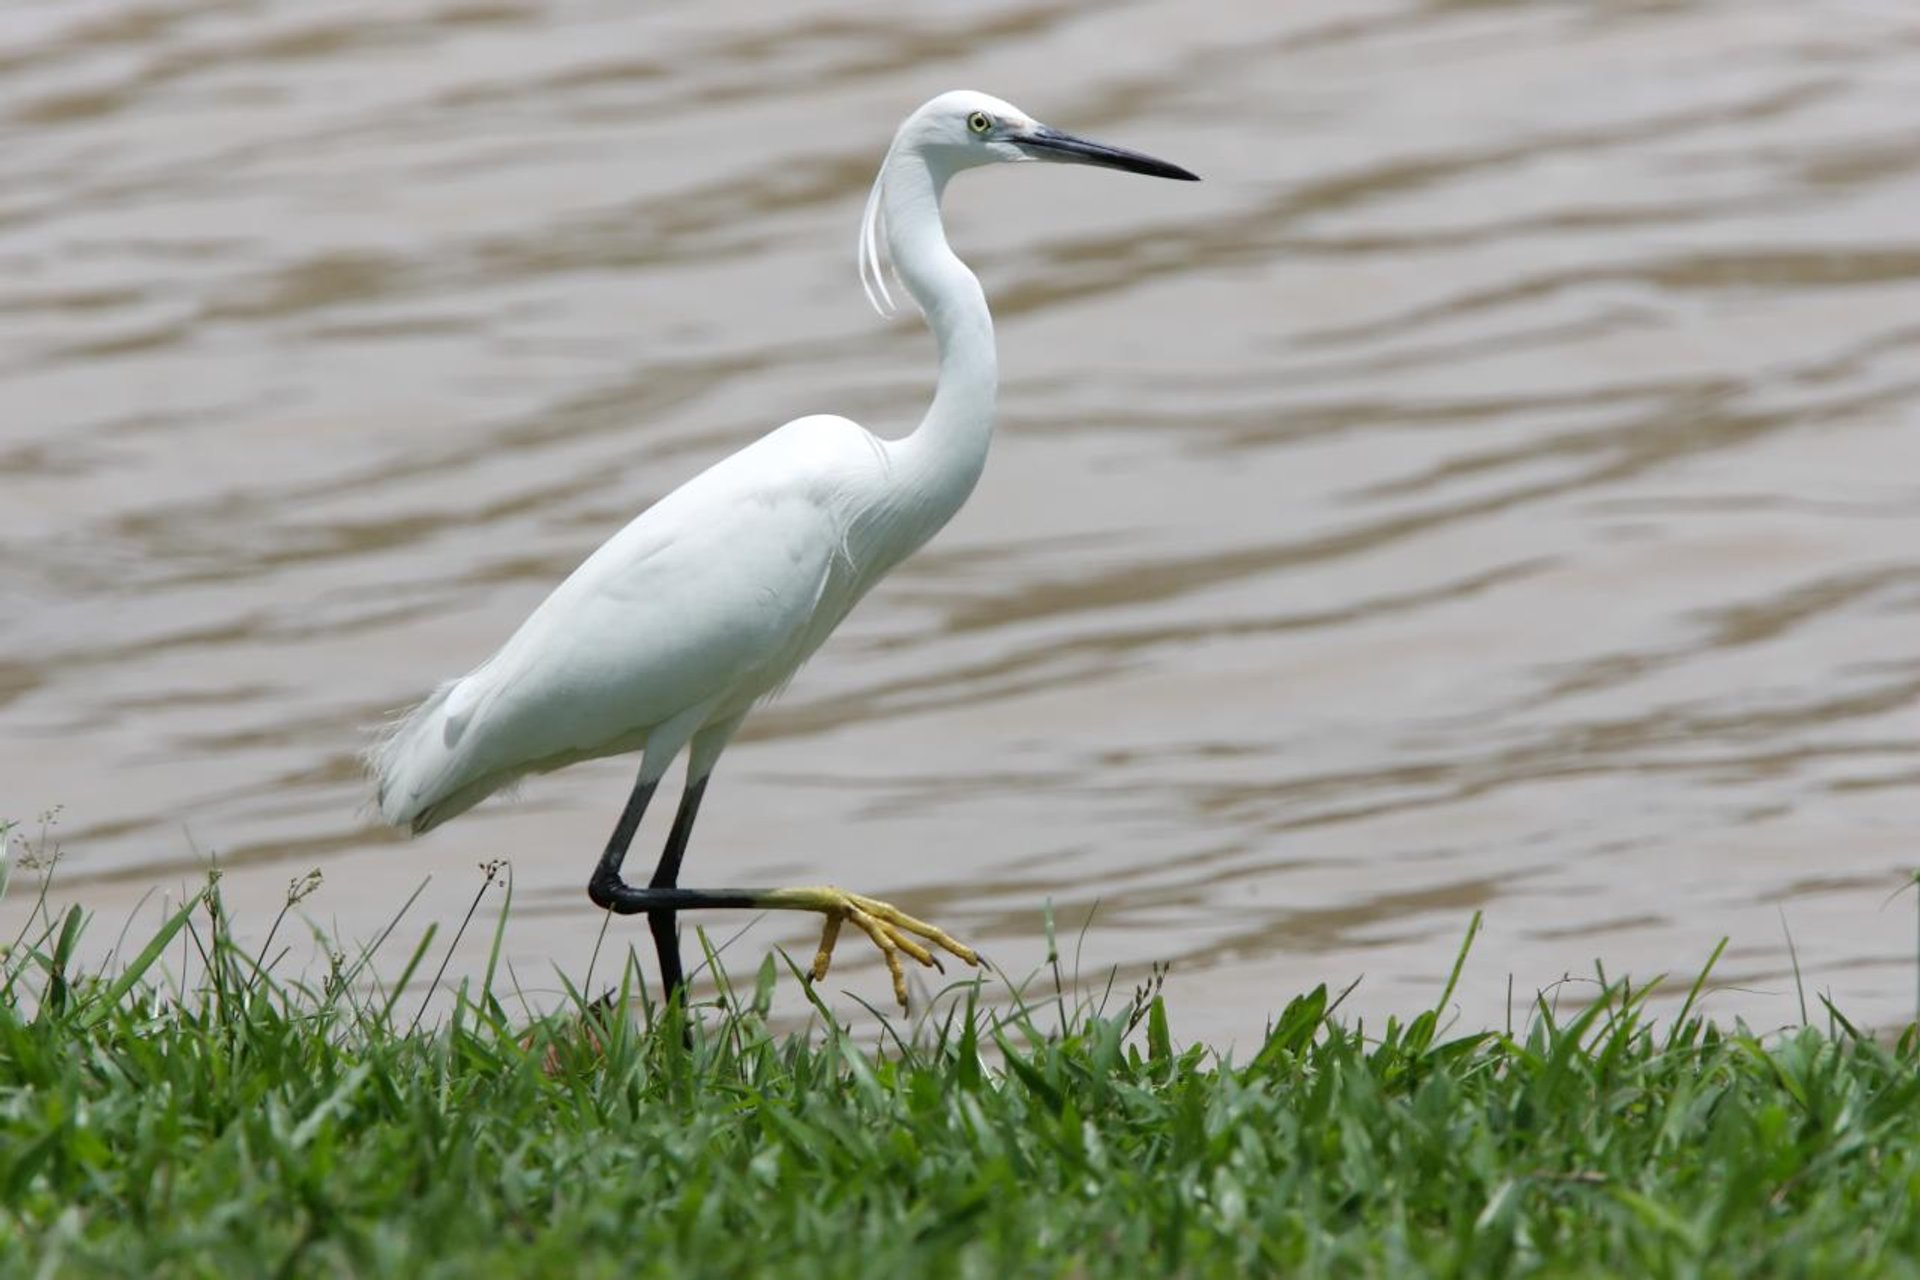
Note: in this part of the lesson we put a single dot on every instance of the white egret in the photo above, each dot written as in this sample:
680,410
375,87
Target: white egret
711,599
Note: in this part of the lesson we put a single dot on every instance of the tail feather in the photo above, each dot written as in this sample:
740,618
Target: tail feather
419,764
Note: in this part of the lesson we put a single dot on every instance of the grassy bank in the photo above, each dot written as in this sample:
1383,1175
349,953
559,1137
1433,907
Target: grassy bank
253,1125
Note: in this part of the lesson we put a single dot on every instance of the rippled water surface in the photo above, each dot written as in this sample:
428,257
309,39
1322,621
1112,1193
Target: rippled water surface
1497,487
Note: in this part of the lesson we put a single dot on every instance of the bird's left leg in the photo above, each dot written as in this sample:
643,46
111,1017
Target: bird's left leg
891,929
661,900
612,893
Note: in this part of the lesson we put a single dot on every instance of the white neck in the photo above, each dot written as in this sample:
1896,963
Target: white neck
935,468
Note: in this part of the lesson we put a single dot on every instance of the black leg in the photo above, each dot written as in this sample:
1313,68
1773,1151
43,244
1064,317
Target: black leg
606,880
660,900
894,932
666,937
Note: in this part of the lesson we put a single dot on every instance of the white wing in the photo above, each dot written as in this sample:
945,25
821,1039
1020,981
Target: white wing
708,600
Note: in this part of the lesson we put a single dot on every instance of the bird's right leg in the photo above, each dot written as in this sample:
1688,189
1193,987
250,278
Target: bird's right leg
666,875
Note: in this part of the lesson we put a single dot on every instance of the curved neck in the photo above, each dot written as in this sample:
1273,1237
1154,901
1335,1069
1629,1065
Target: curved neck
937,465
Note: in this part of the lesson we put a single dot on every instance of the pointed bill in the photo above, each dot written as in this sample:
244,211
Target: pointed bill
1043,143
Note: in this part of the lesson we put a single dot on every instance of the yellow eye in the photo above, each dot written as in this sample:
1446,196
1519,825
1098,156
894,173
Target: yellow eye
979,122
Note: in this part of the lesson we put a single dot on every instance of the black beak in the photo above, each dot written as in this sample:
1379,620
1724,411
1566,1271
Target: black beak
1051,144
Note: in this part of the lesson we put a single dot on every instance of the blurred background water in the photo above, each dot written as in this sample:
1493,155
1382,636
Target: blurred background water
1497,487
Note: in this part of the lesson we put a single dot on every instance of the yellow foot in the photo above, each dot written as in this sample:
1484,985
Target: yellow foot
892,930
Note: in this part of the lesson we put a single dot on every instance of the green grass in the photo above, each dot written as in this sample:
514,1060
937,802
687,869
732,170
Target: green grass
248,1124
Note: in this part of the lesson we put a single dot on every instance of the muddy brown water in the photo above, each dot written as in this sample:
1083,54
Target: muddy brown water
1496,488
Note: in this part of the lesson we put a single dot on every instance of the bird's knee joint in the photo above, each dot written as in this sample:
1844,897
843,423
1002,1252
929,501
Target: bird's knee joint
605,892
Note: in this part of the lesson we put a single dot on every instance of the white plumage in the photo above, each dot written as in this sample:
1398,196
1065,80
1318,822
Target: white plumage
706,602
711,599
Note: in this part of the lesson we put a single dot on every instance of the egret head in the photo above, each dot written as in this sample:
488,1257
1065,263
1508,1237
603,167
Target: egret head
964,129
